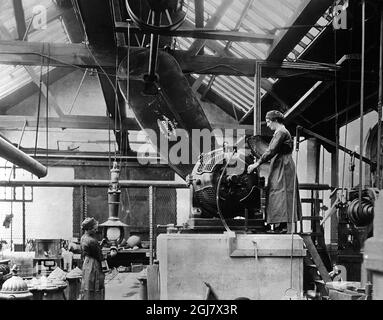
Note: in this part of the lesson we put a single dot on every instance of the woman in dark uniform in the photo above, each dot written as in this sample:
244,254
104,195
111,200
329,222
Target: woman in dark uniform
92,283
280,191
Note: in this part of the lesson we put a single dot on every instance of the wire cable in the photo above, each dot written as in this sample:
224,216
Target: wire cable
128,83
78,91
294,214
117,112
346,127
39,103
218,189
47,108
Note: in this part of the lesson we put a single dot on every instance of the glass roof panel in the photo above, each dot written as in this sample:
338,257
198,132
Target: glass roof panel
262,17
15,77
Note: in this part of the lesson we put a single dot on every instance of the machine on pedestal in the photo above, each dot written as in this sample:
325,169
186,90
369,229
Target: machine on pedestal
222,188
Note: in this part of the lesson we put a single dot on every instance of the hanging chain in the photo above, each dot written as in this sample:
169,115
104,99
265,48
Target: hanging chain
85,194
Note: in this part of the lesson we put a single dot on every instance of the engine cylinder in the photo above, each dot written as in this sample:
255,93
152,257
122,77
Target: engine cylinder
362,213
239,192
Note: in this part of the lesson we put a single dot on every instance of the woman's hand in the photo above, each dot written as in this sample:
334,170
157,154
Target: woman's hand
252,167
103,242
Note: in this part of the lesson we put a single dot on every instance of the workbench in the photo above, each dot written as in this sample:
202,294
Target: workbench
126,258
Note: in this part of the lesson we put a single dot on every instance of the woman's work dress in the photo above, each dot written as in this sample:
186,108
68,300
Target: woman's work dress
280,191
92,284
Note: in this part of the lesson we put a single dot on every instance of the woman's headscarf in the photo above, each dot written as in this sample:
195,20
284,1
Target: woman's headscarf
89,223
275,115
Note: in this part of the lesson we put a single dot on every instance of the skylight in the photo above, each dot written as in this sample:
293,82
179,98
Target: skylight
263,17
14,77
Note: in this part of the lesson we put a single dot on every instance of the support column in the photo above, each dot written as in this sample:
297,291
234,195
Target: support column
23,203
379,149
312,174
334,183
257,99
313,157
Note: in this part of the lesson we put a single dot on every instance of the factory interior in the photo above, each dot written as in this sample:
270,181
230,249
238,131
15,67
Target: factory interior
138,159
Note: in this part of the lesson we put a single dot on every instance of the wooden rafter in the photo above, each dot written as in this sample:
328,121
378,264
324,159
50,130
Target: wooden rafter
28,89
200,79
32,73
20,18
201,33
199,8
210,24
223,51
117,16
306,16
307,100
15,122
78,55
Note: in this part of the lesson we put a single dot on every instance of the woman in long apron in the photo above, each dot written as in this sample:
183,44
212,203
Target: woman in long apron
93,279
280,209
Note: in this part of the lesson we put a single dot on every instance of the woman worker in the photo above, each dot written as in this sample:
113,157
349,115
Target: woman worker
280,192
92,284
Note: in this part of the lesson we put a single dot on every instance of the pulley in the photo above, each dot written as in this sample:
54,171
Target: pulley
159,6
362,213
153,25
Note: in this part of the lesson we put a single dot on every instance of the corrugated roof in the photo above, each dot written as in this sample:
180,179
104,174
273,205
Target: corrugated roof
14,77
259,16
263,17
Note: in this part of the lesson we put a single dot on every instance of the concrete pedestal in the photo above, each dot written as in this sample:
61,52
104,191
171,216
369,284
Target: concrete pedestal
373,251
74,287
251,266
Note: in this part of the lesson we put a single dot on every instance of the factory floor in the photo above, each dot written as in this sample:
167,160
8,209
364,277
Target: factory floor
122,286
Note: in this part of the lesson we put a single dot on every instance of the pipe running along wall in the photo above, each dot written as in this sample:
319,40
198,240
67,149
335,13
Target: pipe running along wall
12,154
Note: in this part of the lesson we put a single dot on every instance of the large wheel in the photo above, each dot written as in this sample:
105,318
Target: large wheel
171,9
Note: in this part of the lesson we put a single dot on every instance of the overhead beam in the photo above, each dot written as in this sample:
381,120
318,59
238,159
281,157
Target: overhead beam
307,15
60,55
199,17
333,144
199,8
313,94
98,22
22,33
78,55
54,11
14,122
224,51
44,89
348,109
72,24
22,93
200,33
246,67
36,78
117,16
210,24
307,100
20,18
